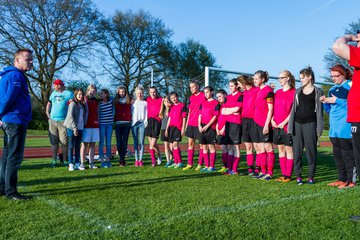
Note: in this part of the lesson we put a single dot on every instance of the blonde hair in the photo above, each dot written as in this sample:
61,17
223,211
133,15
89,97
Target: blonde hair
89,88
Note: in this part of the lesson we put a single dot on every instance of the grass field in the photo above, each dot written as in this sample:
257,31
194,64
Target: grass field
160,203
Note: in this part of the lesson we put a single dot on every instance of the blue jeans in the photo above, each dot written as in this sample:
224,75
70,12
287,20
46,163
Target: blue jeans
122,132
13,154
105,133
74,143
138,132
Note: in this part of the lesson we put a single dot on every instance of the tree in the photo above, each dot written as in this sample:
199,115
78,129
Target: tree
192,57
134,42
60,32
331,59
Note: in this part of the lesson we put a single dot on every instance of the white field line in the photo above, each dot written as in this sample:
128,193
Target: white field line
125,229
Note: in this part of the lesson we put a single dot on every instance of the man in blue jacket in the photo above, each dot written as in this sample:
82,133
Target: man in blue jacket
15,115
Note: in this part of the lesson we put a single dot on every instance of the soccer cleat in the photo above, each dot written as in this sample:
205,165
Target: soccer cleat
71,167
299,181
82,167
280,179
188,167
347,185
53,163
198,168
92,166
18,197
261,175
223,169
158,161
141,163
336,184
286,180
310,181
267,177
104,164
172,165
210,169
169,163
108,163
179,165
204,169
255,175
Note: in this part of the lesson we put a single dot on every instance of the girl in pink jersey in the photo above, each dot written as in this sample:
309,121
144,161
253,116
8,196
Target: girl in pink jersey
209,110
283,101
192,131
220,130
164,115
176,128
232,111
152,130
262,117
248,124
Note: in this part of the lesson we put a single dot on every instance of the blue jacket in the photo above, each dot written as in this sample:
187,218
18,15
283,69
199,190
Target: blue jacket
15,105
337,111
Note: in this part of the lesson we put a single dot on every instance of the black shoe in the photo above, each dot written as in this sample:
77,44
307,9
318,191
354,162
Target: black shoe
18,197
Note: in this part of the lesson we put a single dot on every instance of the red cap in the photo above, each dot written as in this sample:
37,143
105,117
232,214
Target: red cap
58,82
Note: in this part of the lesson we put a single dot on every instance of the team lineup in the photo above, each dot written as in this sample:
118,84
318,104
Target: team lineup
292,119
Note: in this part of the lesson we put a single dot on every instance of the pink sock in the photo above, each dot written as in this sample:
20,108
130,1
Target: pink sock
206,159
212,160
190,156
175,155
289,167
236,164
152,155
224,157
179,156
230,162
270,162
282,162
257,164
250,160
201,157
262,161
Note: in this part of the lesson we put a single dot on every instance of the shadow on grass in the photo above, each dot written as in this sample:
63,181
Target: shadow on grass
69,179
127,184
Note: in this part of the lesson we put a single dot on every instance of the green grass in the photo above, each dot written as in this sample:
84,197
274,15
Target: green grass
159,203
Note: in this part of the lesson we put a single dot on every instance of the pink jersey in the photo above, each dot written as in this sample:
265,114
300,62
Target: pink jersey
153,107
194,108
234,100
283,101
208,110
176,113
249,102
264,97
221,121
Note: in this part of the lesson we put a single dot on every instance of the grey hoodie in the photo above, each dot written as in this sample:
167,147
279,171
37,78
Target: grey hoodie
318,109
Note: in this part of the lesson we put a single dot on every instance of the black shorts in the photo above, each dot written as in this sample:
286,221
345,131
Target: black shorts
233,133
174,135
260,137
280,137
153,128
208,137
162,136
221,140
248,130
192,132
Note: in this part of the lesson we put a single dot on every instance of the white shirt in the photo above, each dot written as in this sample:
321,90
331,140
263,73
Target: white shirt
139,112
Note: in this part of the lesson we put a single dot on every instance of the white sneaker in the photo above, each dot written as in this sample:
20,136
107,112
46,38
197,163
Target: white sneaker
158,161
92,166
82,167
71,167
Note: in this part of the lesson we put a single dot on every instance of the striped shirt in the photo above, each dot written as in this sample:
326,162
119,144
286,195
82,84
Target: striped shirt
106,113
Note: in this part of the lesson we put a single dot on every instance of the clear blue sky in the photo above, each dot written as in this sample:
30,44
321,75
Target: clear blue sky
250,35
